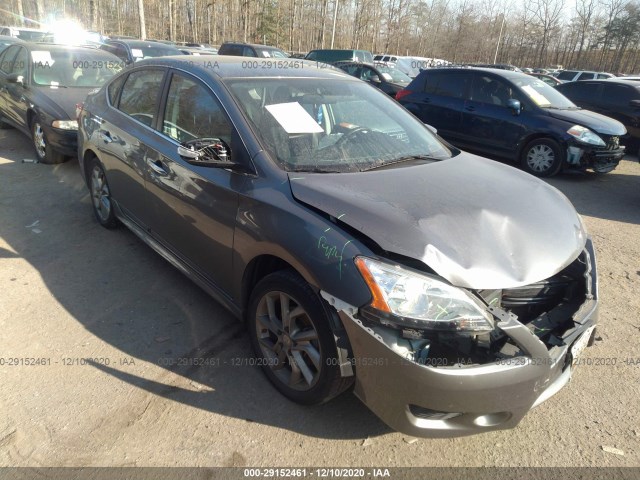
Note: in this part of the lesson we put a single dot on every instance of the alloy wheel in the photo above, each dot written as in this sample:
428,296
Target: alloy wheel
100,194
288,340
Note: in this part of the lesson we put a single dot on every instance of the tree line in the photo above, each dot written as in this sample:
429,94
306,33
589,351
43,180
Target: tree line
586,34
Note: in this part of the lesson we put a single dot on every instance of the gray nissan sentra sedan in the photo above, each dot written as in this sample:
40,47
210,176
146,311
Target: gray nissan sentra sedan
453,293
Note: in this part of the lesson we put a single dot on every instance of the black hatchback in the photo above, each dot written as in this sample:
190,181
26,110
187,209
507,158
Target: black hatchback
515,116
615,98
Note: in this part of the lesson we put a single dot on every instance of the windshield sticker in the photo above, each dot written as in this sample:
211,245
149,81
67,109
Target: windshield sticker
54,84
136,52
293,118
266,54
42,58
537,97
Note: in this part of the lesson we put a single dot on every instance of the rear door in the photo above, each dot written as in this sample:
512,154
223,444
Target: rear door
441,102
194,207
488,124
126,131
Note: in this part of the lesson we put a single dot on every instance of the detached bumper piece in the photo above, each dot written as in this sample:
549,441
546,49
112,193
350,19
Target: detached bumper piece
429,384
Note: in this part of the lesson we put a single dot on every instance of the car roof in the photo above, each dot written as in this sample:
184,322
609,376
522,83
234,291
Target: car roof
60,47
496,71
606,81
229,66
137,42
254,45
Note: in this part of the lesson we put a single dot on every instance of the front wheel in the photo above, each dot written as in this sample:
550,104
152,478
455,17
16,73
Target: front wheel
289,329
101,196
542,157
44,151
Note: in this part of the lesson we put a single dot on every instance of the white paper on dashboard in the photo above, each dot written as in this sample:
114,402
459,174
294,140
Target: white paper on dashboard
293,118
136,52
536,96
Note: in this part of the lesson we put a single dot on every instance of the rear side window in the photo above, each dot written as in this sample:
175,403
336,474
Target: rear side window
603,75
447,84
140,95
231,50
192,113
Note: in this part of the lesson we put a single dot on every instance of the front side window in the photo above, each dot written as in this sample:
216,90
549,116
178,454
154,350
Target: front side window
332,125
491,90
140,94
192,113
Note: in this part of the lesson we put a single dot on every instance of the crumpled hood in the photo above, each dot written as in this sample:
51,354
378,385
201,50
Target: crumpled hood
475,222
587,118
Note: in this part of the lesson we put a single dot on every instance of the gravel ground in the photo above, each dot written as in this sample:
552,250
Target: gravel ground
72,290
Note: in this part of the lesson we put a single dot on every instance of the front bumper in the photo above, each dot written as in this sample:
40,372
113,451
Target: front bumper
427,400
599,159
63,141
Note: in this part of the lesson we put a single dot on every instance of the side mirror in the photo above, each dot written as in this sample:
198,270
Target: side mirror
514,105
207,152
634,103
15,78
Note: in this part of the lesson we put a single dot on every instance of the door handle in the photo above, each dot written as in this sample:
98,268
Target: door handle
157,167
470,108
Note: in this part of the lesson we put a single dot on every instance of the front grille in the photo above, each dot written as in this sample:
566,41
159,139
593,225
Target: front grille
613,143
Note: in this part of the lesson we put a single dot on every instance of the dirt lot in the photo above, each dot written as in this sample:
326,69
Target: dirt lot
71,290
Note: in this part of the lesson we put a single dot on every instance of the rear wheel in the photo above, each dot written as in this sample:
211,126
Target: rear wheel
542,157
289,329
44,151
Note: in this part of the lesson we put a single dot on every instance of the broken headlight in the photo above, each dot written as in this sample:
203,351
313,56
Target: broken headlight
420,301
584,135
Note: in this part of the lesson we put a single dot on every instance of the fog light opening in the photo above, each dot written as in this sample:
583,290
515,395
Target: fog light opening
428,414
492,419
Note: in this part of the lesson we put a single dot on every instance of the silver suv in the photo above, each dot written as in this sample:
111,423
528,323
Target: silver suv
577,75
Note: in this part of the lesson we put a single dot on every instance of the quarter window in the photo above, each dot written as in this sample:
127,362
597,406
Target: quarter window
140,95
193,113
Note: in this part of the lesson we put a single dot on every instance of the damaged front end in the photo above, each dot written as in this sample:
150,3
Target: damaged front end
473,360
601,159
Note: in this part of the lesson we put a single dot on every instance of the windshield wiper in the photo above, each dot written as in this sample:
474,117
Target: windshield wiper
313,170
406,158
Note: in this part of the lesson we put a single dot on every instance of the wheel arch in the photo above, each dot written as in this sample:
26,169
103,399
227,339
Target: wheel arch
539,135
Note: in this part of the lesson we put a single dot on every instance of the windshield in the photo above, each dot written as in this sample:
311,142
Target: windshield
542,94
271,53
151,51
72,68
331,125
396,75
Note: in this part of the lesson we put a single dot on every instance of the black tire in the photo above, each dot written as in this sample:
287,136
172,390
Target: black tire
542,157
44,151
101,195
308,337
